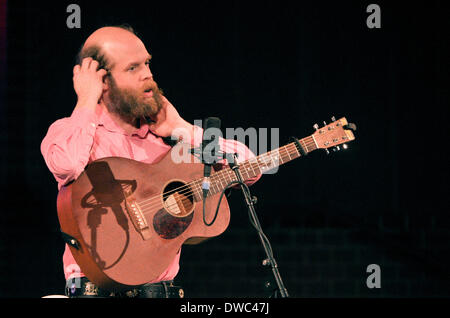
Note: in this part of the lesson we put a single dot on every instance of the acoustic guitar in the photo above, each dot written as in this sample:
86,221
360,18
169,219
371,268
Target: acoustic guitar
125,220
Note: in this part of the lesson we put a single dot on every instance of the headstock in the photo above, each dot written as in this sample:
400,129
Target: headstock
334,134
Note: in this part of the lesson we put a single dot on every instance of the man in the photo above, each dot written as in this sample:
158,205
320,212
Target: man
120,112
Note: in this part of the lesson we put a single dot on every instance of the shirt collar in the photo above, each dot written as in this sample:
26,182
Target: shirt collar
105,120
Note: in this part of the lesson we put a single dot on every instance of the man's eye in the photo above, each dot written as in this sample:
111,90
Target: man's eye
132,68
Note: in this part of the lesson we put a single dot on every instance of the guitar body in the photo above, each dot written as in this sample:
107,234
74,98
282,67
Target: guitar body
118,246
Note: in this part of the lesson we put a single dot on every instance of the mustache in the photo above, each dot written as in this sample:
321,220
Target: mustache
150,86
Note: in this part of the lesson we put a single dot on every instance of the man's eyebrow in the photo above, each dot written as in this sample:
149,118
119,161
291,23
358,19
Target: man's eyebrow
148,58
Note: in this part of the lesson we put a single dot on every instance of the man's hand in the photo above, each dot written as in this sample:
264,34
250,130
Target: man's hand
169,123
88,82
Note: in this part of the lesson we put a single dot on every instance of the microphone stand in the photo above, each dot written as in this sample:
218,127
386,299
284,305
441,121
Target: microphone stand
250,201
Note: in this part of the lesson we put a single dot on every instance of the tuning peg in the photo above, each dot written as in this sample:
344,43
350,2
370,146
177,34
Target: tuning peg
344,146
324,123
316,127
327,151
333,118
350,126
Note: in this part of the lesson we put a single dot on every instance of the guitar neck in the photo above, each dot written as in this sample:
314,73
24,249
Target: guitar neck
257,165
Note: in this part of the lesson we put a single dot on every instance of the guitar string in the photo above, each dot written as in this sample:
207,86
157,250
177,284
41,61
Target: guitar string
145,208
219,176
185,202
186,198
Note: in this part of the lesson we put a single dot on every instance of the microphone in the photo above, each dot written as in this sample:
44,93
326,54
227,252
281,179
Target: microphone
210,142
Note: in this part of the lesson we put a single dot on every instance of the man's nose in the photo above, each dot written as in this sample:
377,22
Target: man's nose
146,73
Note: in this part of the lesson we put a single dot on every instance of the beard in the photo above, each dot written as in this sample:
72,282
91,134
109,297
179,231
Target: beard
130,104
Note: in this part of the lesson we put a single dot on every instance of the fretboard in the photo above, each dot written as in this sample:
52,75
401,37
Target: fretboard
255,166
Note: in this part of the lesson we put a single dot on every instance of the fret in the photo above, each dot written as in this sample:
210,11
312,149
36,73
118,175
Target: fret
247,166
290,153
217,186
215,180
312,143
220,180
274,158
304,145
251,165
314,140
226,176
287,153
196,189
245,174
296,150
258,160
231,176
262,159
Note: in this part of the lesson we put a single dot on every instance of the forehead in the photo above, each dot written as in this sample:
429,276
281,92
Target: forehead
117,44
121,53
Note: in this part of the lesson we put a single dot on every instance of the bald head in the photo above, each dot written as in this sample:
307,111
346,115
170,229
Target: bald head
109,44
108,35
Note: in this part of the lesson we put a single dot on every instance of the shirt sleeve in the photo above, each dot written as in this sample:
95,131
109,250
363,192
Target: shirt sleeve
229,146
66,147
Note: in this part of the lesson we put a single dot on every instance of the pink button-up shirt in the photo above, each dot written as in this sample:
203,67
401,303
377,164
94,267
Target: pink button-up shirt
73,142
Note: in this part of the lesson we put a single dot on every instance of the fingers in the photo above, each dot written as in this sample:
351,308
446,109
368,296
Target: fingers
76,69
89,64
93,65
102,72
85,63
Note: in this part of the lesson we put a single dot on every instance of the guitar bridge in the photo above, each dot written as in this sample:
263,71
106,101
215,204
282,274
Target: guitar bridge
137,217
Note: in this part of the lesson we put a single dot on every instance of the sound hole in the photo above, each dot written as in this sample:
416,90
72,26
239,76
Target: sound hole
178,199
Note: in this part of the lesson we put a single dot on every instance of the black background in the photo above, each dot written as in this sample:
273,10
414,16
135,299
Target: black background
262,64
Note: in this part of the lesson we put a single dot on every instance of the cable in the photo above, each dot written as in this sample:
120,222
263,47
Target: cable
254,223
218,204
